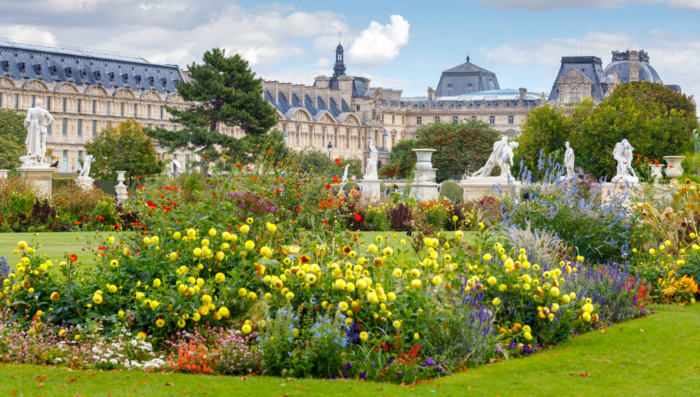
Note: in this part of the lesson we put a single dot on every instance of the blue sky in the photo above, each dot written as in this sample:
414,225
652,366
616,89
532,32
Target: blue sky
398,44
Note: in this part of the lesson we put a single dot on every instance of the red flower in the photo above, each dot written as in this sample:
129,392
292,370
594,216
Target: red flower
100,217
325,221
335,180
670,166
167,188
101,248
298,208
77,222
73,257
328,186
337,161
239,166
117,225
271,152
358,217
205,157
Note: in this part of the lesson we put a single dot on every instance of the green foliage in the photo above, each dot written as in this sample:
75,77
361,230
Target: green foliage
461,147
12,136
348,186
451,191
224,91
123,148
402,159
317,162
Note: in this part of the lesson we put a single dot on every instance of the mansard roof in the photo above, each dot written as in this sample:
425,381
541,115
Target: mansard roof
31,61
589,66
465,79
317,110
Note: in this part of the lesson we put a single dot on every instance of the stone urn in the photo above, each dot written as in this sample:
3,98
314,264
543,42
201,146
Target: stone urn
121,187
674,170
424,165
656,170
3,174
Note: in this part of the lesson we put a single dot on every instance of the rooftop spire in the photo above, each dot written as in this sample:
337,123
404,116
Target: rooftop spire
467,58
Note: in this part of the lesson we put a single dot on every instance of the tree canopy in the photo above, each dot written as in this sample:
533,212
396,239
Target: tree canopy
315,161
655,120
223,91
462,147
12,135
123,148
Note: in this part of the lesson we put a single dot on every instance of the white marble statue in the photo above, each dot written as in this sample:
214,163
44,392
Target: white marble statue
624,155
501,156
569,159
371,169
345,174
85,173
36,123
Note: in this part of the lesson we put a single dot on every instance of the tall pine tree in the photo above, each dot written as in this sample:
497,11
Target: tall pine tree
222,90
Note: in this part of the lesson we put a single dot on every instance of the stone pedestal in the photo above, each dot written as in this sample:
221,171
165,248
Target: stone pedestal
3,174
85,183
121,187
371,189
425,191
488,186
611,190
41,177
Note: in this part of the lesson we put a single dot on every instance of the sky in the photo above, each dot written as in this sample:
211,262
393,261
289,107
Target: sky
403,45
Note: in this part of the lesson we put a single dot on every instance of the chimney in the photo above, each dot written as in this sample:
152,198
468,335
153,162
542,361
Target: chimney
286,89
322,81
431,94
366,81
271,86
345,85
523,92
324,94
298,90
634,66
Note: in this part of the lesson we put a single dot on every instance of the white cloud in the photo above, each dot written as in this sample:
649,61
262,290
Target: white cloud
675,56
549,5
379,44
29,33
323,63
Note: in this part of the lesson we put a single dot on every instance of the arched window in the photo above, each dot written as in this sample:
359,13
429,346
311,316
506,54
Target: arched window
297,134
573,96
419,120
437,119
510,119
455,119
492,119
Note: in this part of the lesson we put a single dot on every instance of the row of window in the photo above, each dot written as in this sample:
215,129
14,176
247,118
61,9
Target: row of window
80,106
80,157
455,119
393,117
64,125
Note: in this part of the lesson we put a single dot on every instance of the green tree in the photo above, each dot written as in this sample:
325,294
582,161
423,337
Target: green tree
654,119
222,91
402,159
12,136
123,148
461,147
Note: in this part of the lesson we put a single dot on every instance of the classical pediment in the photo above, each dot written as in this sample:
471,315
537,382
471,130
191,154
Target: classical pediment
575,77
35,84
151,95
66,87
124,93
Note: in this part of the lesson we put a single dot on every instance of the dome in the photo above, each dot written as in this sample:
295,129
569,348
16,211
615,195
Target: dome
339,48
621,64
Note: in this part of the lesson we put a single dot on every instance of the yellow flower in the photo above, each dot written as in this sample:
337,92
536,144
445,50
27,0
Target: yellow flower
266,252
586,316
142,335
153,304
77,337
388,251
156,283
437,280
249,245
289,296
220,277
245,229
97,299
364,336
487,257
155,240
176,236
343,306
246,328
496,301
340,284
527,335
160,323
191,233
554,291
271,227
391,296
120,314
415,273
112,288
397,324
372,248
224,312
22,245
197,252
250,221
268,296
588,308
212,232
492,280
416,283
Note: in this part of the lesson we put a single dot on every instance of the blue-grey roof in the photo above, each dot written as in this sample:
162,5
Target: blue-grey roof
288,106
510,97
466,78
591,67
37,62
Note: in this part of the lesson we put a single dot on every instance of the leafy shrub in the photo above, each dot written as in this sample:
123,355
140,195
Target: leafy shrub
350,185
400,217
451,191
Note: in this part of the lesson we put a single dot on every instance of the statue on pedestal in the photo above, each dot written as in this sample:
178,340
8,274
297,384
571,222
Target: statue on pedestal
624,155
569,159
345,174
36,123
501,156
371,169
85,173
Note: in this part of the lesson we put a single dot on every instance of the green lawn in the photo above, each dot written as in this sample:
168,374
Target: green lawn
654,356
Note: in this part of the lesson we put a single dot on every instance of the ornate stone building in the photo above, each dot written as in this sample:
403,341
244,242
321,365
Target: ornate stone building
86,91
349,113
584,76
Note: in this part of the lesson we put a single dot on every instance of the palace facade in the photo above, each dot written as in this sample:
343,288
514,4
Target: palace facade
87,91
